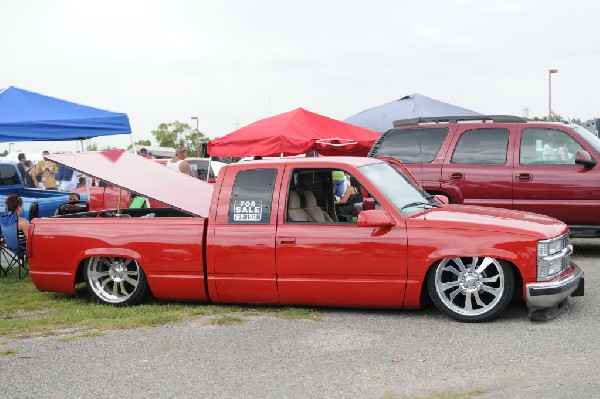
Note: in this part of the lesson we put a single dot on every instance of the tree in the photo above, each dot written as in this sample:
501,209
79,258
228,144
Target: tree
177,134
92,146
558,118
140,143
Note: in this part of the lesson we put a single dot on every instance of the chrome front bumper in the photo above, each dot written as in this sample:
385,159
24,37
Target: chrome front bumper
546,299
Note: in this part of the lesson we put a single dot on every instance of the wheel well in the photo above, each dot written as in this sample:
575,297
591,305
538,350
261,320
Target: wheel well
79,274
425,299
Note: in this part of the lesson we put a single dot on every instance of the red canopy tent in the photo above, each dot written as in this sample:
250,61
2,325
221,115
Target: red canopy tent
293,133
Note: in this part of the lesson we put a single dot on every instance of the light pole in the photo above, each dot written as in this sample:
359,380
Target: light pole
196,118
550,72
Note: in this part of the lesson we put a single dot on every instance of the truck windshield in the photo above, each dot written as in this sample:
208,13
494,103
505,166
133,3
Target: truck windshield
588,136
398,189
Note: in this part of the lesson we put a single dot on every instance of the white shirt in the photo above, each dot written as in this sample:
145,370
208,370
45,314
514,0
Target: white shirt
174,165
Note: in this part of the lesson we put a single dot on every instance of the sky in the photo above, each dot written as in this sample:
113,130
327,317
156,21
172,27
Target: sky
231,63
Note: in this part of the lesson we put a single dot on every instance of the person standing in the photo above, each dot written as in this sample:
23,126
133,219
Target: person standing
29,171
21,166
45,172
144,153
179,163
339,182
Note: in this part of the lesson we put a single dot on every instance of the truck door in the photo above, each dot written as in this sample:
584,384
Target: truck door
241,262
480,166
332,262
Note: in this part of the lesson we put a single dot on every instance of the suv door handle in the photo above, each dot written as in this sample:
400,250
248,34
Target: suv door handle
287,240
524,177
457,176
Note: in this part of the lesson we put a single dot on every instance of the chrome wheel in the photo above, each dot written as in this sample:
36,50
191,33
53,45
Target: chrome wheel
473,288
115,280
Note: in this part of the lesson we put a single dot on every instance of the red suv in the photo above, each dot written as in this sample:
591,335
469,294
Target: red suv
504,161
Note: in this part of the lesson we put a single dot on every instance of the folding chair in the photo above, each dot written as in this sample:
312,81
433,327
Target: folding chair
11,253
140,202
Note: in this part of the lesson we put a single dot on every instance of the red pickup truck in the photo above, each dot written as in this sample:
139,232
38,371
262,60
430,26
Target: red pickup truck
270,232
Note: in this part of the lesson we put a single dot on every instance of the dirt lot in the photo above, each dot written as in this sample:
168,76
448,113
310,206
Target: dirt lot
350,353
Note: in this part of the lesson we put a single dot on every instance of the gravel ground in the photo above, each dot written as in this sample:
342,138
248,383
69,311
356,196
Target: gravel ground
350,354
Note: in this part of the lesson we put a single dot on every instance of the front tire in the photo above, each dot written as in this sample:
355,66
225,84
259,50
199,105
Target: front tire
116,281
471,289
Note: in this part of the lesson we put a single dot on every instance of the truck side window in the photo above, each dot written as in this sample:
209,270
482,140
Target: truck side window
8,175
482,147
412,145
547,147
252,197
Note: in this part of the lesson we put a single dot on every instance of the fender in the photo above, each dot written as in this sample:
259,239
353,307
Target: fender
452,192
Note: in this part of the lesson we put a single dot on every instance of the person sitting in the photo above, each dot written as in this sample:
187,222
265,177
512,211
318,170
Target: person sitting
74,197
344,207
563,152
14,204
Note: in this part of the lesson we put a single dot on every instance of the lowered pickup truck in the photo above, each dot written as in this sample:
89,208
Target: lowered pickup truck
36,202
269,232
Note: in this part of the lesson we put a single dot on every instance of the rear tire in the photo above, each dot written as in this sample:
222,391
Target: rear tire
116,281
471,289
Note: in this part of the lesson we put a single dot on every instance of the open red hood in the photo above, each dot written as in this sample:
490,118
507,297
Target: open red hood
142,176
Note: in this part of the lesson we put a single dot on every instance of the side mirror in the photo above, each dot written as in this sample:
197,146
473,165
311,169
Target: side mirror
374,218
584,158
368,204
441,199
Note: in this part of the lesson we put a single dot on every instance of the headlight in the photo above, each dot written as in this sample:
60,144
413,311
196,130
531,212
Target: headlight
553,256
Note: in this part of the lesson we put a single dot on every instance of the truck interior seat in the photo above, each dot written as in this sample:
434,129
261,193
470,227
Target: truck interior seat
294,212
314,211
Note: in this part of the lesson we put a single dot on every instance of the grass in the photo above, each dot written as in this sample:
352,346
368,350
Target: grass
227,319
87,334
10,352
24,311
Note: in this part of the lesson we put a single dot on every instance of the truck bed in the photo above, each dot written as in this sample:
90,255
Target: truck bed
169,244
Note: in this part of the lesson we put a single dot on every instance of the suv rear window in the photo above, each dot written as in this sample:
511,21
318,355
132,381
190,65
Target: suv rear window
412,145
482,147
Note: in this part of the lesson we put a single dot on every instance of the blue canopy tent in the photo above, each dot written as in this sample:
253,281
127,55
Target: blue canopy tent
381,118
28,116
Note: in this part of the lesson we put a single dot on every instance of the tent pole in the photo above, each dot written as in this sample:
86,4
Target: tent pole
87,181
132,143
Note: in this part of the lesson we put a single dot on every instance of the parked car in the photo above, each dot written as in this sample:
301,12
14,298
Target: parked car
36,202
105,197
268,232
504,161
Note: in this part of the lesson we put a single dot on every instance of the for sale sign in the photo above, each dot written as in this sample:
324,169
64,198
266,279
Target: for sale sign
247,211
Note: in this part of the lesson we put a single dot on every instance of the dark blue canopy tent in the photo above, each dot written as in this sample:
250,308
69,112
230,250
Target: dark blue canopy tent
28,116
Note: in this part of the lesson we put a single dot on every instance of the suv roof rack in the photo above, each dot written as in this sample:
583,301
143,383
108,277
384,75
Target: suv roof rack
454,119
